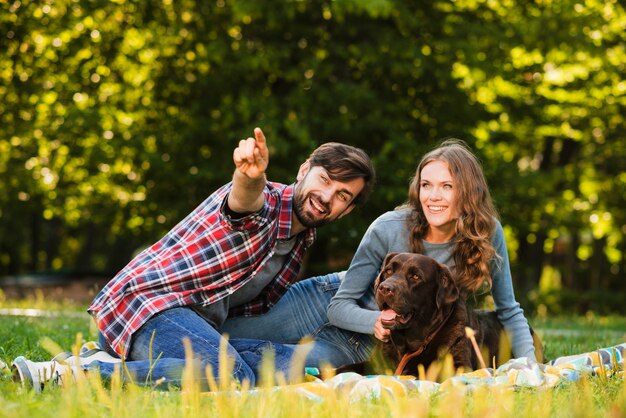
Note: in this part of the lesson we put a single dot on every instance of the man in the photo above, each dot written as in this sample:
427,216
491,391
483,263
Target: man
236,254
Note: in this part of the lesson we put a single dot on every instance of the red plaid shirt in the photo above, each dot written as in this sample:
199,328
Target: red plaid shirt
203,259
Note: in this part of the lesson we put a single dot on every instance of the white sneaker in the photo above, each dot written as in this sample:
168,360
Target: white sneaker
86,357
89,345
37,374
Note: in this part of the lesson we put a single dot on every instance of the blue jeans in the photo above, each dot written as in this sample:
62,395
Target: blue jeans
302,312
168,352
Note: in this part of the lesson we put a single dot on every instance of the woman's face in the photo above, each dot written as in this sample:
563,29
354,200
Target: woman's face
438,199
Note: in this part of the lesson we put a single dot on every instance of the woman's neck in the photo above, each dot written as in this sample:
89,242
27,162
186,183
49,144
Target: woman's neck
439,235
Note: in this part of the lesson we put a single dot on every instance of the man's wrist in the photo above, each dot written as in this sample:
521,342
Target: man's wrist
238,175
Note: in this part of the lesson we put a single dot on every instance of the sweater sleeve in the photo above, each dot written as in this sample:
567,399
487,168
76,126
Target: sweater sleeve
508,309
344,311
354,307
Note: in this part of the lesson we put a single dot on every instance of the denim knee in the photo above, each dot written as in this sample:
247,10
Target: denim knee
241,371
254,352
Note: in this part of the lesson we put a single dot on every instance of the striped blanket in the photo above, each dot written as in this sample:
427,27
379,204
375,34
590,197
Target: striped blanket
516,373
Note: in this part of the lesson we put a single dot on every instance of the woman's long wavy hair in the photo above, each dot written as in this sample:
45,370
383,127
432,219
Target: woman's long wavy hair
473,252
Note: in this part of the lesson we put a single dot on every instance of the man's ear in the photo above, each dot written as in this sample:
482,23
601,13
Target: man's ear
304,168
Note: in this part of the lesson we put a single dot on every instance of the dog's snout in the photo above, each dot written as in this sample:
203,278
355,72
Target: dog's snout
386,289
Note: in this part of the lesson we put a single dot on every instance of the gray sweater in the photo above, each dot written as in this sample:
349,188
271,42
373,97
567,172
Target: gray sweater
354,307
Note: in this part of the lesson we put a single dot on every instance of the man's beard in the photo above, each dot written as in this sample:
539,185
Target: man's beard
304,217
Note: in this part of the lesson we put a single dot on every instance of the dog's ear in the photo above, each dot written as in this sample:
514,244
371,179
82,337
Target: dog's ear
448,291
388,257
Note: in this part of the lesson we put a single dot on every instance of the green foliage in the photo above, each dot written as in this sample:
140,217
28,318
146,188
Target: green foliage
117,118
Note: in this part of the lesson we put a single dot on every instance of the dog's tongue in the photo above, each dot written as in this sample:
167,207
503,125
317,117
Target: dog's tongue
388,315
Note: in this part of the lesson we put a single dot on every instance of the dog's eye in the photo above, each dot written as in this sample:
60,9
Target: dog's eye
415,277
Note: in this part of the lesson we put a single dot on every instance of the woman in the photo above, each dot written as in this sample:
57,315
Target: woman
449,216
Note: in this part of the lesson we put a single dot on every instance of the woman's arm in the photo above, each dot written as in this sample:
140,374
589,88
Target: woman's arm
508,309
354,307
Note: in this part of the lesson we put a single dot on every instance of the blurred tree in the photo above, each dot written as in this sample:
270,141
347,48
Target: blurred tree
553,83
117,118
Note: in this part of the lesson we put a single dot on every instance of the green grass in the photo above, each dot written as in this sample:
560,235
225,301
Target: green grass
567,335
40,337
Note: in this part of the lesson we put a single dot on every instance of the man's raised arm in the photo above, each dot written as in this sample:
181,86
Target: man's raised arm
251,158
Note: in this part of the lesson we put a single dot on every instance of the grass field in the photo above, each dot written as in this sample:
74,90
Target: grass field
65,327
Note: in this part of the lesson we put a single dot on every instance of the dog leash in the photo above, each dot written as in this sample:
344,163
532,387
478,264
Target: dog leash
408,356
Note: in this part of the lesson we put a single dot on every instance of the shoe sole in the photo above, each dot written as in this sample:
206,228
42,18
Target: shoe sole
20,373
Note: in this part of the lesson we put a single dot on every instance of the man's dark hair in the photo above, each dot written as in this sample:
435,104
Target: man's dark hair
344,163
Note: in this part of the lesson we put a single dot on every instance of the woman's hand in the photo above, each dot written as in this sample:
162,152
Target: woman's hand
380,332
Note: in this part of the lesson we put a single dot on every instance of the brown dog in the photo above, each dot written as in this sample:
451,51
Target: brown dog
427,316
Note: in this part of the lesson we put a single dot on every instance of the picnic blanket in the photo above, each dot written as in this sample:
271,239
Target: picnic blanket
515,374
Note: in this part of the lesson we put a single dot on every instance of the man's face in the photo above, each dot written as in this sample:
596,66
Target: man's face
319,200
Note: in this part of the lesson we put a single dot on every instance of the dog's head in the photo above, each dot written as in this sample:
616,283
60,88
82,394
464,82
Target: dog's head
413,287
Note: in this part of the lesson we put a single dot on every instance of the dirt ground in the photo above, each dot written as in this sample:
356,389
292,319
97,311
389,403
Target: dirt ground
76,291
